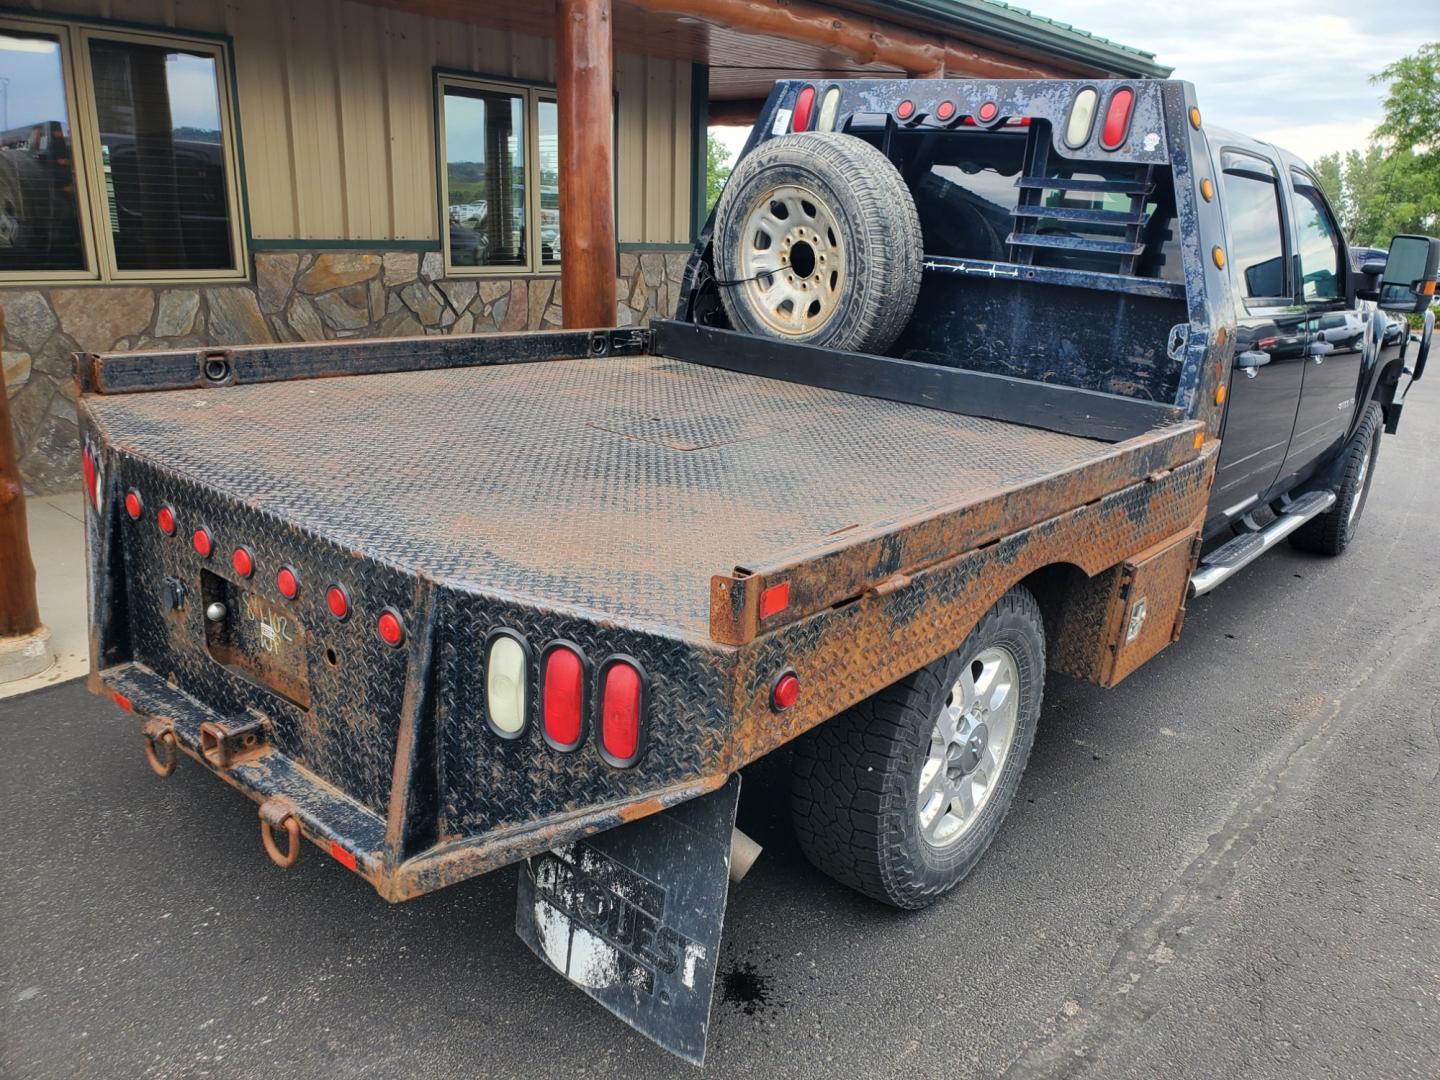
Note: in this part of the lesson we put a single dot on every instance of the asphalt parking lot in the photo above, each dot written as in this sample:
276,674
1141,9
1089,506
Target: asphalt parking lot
1227,867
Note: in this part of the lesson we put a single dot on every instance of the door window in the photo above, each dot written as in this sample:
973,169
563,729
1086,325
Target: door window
1257,251
1318,260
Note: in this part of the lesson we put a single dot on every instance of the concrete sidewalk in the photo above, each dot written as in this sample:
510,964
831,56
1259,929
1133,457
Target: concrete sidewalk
57,544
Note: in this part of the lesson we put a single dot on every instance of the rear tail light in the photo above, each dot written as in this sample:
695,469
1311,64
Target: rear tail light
622,711
785,691
1117,119
202,543
134,505
829,110
507,664
390,628
243,562
288,582
92,476
905,110
988,112
945,111
562,696
804,106
337,599
165,518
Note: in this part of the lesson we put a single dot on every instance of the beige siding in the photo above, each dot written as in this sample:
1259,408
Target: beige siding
336,105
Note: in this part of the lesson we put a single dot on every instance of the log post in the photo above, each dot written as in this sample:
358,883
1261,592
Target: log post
24,642
585,81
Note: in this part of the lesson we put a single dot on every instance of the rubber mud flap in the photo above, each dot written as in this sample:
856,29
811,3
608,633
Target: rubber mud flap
633,916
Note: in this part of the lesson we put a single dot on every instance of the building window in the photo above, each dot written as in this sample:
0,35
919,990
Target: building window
116,156
499,177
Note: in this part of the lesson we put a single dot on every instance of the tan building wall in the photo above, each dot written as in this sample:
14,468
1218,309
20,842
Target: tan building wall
336,109
337,113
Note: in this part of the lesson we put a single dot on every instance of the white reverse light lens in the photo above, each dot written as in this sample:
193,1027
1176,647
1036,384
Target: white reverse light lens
829,107
505,685
1082,117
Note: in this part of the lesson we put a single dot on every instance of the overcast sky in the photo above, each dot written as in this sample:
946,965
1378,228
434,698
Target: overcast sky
1293,72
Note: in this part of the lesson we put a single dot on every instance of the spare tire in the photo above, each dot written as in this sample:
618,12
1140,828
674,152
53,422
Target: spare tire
817,241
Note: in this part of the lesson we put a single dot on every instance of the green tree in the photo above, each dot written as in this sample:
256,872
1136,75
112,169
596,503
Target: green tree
1393,185
717,169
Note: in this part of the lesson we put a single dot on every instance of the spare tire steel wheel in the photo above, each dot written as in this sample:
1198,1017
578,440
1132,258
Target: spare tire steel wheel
817,241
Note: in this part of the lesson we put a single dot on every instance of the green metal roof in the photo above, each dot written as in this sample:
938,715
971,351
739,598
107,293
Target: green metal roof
1022,27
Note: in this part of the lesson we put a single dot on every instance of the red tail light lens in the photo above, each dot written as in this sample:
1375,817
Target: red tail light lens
288,582
390,628
622,708
243,562
945,111
92,476
562,696
338,601
987,112
785,692
804,106
905,110
134,505
1117,118
165,518
202,543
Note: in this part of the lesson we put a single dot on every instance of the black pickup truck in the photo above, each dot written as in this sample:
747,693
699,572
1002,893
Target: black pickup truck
969,380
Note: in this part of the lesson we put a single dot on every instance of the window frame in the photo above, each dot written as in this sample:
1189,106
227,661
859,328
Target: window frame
532,94
1299,178
1268,171
92,204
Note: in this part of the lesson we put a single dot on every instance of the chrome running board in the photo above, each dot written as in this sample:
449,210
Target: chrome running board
1234,555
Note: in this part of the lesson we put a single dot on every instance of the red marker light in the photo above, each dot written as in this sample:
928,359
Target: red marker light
988,111
1117,119
390,628
945,110
92,476
243,562
134,505
562,682
905,109
774,600
338,601
785,692
344,858
622,700
122,701
165,518
804,106
202,543
288,582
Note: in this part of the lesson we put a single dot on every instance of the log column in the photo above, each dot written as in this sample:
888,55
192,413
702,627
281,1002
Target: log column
585,82
24,642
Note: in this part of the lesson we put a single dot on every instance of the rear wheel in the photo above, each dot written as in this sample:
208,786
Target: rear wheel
899,796
817,241
1332,531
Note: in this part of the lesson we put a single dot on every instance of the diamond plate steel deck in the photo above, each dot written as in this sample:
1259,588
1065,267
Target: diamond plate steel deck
612,486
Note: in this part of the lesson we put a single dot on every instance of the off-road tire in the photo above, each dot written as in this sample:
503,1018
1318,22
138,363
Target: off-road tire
855,779
1331,532
878,235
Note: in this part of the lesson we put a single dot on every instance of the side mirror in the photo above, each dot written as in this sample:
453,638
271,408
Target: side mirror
1408,283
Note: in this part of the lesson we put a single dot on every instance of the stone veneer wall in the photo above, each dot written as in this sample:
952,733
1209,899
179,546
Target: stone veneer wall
295,296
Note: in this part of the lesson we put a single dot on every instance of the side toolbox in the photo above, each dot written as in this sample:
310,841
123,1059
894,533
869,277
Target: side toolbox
1114,622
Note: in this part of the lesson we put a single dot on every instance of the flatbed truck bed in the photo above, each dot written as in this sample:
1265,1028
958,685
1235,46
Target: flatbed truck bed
635,495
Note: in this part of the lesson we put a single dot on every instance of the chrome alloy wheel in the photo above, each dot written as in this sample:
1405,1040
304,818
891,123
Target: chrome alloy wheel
969,745
1360,485
792,260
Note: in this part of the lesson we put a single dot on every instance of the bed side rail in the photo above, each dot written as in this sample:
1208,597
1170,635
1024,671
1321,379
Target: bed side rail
190,369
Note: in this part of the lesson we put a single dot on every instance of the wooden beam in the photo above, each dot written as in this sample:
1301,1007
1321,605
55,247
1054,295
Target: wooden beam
19,609
740,112
585,88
